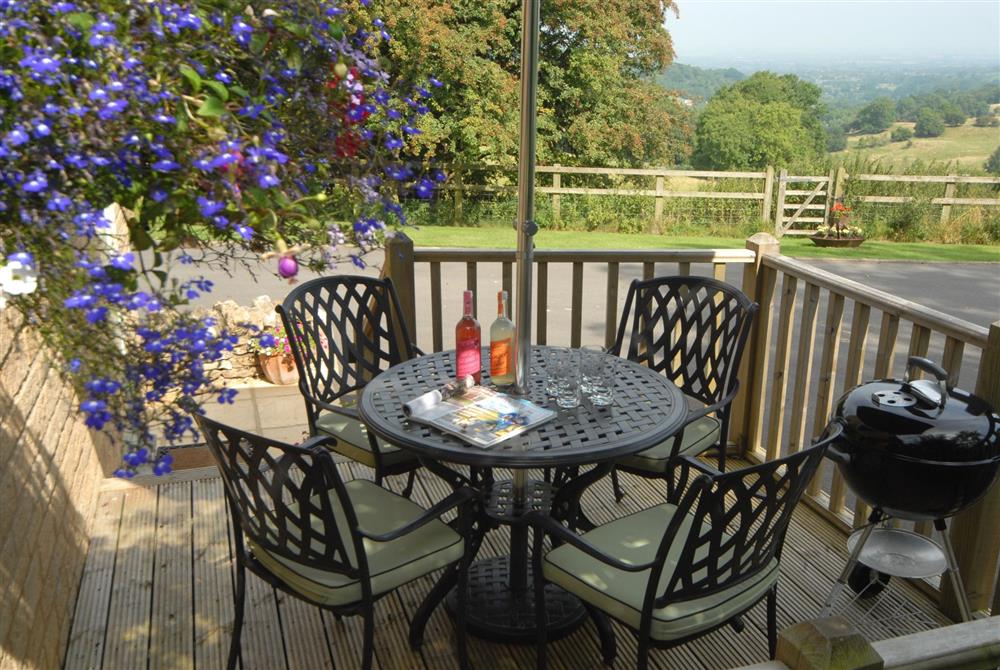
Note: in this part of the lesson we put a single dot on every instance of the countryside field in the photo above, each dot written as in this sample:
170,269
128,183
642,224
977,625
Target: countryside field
968,146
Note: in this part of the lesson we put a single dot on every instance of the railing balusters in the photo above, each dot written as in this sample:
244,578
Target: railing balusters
542,304
611,308
797,437
920,341
576,326
888,332
827,375
684,269
507,280
782,356
860,318
436,306
648,270
951,359
719,271
761,355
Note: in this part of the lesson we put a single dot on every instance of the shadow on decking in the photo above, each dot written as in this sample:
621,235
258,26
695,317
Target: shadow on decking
158,582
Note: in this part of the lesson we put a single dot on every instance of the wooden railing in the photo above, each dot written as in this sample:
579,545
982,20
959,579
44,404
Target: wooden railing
841,333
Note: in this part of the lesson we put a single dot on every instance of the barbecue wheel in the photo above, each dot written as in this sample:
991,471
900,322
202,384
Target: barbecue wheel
866,582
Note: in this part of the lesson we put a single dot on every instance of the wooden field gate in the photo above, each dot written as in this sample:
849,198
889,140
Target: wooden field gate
804,202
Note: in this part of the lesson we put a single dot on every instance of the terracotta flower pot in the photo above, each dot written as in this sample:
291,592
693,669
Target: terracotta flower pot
278,368
821,241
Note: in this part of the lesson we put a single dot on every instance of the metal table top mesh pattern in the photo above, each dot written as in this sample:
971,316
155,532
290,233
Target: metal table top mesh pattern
647,409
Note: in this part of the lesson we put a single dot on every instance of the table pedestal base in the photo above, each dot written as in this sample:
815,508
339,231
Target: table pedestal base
495,611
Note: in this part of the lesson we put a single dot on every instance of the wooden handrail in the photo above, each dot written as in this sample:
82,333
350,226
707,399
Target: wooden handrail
886,302
450,255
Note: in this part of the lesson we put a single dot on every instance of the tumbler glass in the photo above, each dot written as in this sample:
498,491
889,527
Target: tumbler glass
602,388
567,379
591,366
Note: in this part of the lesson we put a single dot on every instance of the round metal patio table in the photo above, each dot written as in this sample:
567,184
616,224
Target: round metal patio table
647,410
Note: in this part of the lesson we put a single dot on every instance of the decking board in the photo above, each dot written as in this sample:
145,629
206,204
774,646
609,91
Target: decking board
168,595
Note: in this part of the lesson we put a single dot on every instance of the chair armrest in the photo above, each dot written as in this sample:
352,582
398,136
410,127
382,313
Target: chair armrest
694,415
417,350
557,530
336,409
319,443
455,499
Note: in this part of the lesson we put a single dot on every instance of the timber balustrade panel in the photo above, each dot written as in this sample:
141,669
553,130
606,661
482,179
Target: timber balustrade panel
578,294
823,334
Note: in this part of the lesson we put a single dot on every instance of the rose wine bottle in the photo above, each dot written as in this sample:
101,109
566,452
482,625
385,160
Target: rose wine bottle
502,345
468,352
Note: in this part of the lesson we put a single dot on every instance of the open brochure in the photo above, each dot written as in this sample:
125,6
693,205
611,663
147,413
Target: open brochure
481,416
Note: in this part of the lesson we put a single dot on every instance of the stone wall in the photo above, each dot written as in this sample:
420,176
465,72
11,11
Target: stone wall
241,363
51,469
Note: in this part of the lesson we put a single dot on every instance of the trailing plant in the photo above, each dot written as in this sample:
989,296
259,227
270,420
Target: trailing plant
224,131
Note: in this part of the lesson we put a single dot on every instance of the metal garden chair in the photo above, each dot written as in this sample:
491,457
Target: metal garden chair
338,545
693,330
675,572
344,330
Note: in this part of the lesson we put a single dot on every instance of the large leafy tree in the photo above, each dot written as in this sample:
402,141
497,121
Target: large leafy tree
597,102
767,119
876,116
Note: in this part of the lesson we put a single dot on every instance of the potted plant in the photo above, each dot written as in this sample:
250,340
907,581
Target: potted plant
274,355
839,233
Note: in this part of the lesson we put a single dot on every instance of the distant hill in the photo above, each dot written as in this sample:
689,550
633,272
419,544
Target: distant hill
697,83
966,147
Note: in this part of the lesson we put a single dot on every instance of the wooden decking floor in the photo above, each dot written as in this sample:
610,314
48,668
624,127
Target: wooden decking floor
157,592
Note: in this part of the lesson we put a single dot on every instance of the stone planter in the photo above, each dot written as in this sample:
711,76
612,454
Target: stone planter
278,368
821,241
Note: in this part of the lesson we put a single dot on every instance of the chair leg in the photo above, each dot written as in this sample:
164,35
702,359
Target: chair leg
408,489
463,647
616,486
541,618
368,653
431,601
642,657
234,645
606,633
722,458
772,622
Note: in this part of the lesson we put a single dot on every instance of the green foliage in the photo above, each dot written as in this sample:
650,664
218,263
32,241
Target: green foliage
767,119
836,139
597,103
954,117
992,164
876,116
929,123
697,83
950,102
901,133
987,121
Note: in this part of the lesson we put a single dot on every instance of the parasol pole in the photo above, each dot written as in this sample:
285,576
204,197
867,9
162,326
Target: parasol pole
526,227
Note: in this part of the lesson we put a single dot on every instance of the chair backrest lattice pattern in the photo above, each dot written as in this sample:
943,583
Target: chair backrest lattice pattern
343,331
692,329
737,522
287,499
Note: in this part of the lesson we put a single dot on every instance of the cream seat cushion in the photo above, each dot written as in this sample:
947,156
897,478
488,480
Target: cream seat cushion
699,435
352,441
391,564
634,539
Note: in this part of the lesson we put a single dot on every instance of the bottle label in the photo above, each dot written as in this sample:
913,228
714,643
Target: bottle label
467,359
500,358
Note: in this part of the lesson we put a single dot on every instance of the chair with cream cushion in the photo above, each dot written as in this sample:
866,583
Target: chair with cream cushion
693,330
677,571
340,546
344,330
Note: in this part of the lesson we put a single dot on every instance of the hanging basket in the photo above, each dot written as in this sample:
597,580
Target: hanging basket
278,368
821,241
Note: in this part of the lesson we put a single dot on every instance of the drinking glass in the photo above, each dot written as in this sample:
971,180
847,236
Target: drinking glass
553,359
591,366
566,378
602,388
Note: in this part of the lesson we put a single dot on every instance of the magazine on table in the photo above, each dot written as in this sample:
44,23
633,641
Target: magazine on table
481,416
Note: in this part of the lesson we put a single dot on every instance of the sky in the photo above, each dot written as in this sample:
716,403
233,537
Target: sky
725,31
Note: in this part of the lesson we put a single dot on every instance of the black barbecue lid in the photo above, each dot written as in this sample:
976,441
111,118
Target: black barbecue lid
919,418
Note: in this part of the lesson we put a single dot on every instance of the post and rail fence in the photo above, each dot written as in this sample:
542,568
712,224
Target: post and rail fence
794,204
816,336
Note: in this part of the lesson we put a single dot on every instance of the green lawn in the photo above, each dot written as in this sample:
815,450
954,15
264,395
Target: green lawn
966,145
505,238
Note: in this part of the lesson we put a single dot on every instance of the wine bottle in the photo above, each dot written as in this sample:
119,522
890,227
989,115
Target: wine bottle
502,345
468,339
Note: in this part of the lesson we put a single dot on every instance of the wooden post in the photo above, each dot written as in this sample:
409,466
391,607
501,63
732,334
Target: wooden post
831,643
398,267
830,188
839,179
658,207
556,184
779,213
975,532
949,192
457,215
756,287
765,209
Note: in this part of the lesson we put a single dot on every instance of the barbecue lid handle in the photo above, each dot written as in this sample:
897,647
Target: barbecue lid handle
924,390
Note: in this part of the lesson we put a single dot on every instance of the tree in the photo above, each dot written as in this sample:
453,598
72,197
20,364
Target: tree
767,119
901,134
836,139
954,116
992,164
597,101
876,116
929,123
